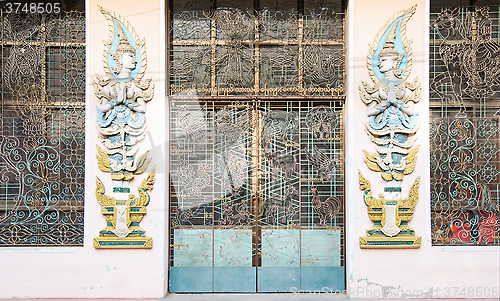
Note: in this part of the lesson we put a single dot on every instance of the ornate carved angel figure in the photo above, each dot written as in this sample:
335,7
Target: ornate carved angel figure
392,126
121,113
121,124
392,118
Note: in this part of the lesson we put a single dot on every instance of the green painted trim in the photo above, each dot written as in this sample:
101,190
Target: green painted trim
392,189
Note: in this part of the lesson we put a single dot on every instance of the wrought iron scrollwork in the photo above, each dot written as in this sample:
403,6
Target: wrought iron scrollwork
465,194
42,141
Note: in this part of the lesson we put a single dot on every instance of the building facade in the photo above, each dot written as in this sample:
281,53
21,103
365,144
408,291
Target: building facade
345,147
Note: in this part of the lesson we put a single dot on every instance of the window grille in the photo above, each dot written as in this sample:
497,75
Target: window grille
256,94
464,130
260,51
42,115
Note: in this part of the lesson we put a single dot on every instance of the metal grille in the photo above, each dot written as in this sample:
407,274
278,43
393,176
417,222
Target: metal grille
248,174
42,138
245,50
256,161
465,104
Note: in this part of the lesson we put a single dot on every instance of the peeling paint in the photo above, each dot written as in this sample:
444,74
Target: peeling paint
388,291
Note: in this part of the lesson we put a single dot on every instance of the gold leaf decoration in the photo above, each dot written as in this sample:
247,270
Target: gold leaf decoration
102,160
142,163
411,160
371,161
146,186
103,199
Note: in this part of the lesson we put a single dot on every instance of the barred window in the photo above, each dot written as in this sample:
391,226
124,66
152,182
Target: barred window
464,130
256,153
260,48
42,117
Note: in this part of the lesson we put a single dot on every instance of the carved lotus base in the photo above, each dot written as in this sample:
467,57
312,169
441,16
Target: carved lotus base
123,243
385,242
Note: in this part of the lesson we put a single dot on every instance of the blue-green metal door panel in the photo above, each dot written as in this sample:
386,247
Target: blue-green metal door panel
276,279
321,247
234,279
324,279
190,280
232,248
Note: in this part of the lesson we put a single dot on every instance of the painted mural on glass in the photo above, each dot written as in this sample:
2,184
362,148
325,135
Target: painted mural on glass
392,127
121,121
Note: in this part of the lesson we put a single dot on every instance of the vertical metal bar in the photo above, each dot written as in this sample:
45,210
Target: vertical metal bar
213,49
300,104
343,210
213,186
2,68
257,56
213,82
46,49
256,156
168,62
300,65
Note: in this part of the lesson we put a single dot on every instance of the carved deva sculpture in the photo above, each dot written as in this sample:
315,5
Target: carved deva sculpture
392,126
121,124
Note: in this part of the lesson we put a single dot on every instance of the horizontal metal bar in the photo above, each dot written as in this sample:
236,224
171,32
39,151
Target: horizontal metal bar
258,42
9,104
255,98
46,44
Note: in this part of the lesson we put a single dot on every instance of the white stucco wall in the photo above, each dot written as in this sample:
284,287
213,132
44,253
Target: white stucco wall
407,272
84,272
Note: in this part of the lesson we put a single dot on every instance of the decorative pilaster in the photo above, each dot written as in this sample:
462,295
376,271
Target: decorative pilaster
392,126
121,121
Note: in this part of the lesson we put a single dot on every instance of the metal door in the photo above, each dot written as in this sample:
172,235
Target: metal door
256,196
